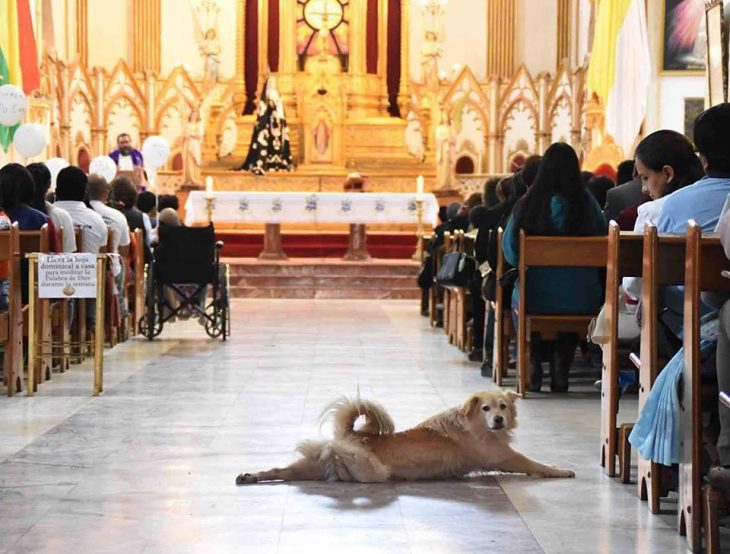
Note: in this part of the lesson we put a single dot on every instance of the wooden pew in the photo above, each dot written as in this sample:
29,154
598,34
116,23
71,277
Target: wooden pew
135,282
30,242
503,326
78,330
704,261
60,327
558,251
623,260
456,298
423,241
11,322
662,265
464,333
435,291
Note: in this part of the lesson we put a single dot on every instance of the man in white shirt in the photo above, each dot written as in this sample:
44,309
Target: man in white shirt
71,186
99,191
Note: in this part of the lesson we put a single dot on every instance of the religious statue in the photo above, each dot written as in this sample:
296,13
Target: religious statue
210,49
269,149
206,19
190,147
430,53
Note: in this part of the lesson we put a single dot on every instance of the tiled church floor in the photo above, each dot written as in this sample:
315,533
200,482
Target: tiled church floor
150,465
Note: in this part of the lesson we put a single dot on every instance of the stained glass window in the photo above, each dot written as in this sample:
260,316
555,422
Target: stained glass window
323,25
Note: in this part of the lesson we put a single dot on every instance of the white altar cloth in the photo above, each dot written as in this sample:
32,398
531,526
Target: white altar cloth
314,207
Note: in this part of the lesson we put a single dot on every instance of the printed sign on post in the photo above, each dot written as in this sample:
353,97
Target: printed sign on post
67,276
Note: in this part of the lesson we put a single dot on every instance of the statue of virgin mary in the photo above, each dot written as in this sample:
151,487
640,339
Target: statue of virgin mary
269,149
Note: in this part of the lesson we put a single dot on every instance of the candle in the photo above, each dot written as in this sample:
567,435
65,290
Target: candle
419,184
209,186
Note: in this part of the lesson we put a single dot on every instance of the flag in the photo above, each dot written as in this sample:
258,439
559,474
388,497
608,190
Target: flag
620,67
18,54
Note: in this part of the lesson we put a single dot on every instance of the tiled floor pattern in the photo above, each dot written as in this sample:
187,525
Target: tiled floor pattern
150,466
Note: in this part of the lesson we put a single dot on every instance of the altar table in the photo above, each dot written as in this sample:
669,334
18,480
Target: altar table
275,208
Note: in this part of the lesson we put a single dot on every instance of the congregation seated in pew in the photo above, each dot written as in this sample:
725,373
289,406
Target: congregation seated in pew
556,204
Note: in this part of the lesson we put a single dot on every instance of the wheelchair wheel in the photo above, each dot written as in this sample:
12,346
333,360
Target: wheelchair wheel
150,324
225,302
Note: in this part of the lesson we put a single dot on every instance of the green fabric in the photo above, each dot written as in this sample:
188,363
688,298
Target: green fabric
6,133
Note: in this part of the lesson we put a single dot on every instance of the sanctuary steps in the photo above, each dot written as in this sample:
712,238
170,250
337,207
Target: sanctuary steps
323,278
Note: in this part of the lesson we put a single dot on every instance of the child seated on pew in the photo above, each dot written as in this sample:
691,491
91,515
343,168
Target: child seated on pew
5,225
557,204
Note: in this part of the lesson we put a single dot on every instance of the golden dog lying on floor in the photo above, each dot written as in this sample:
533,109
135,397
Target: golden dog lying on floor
472,437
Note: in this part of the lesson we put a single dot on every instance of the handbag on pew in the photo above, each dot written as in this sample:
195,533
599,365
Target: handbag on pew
456,269
628,327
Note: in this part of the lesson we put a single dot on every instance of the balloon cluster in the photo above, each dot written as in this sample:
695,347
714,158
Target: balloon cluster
30,139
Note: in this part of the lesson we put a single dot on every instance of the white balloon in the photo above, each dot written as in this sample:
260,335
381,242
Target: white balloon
155,151
30,139
13,104
103,166
55,165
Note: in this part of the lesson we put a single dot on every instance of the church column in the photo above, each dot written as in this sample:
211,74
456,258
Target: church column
82,33
288,55
564,31
544,131
493,139
146,15
239,94
500,38
358,15
263,40
404,94
98,129
576,109
383,53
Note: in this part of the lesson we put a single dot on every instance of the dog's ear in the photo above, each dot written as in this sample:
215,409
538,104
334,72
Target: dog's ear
512,395
471,405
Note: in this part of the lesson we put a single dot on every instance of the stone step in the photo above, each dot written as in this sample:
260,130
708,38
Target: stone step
329,292
322,281
323,278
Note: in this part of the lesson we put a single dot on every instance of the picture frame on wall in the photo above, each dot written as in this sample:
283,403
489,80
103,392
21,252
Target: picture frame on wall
717,67
682,37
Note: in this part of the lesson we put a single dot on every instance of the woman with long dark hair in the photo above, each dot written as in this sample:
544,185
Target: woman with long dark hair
666,162
557,204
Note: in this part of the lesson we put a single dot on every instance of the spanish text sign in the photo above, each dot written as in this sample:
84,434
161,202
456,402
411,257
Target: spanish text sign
67,275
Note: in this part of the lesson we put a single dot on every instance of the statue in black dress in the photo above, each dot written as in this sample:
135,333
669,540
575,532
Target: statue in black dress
269,150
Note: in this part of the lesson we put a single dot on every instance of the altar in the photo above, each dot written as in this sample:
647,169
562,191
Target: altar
274,208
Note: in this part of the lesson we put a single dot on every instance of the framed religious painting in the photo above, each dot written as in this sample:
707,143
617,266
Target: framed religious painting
683,37
323,27
716,53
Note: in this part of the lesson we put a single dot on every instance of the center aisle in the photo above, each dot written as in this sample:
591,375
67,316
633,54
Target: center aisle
150,466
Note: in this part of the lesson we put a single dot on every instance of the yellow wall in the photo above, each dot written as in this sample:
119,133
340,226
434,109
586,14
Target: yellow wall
109,32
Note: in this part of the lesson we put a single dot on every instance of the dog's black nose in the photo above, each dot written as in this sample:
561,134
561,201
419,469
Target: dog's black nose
498,419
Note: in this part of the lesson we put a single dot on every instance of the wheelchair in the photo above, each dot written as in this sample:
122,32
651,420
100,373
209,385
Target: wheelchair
185,264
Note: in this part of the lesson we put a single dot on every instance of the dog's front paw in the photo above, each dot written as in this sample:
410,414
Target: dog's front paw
246,479
562,473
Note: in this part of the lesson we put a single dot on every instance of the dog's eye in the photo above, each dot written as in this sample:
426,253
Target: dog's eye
502,406
485,408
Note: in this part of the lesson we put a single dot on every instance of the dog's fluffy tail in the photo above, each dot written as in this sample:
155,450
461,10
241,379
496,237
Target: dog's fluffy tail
346,411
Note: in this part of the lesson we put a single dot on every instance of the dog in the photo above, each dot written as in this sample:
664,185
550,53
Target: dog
472,437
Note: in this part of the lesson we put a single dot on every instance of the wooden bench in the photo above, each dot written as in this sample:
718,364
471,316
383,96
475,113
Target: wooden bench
623,260
704,261
662,265
30,242
504,329
456,298
435,303
11,322
558,251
